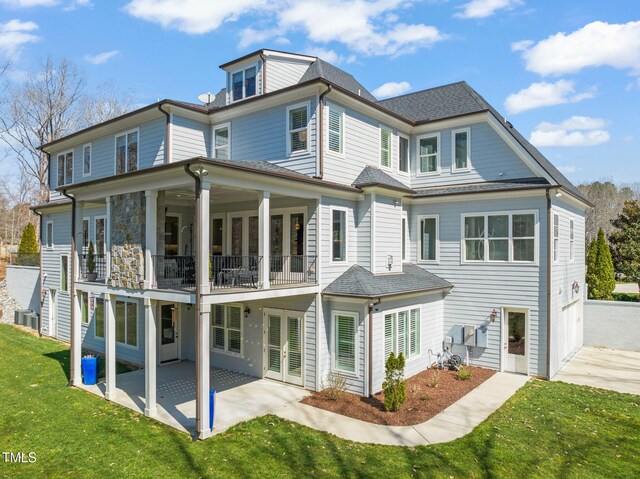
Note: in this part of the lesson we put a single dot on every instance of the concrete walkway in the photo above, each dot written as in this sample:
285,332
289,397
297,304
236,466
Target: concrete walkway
611,369
454,422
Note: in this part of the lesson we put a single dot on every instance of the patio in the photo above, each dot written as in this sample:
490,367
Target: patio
238,397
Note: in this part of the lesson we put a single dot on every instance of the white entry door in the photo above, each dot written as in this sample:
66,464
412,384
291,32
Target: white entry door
283,345
53,313
169,319
515,341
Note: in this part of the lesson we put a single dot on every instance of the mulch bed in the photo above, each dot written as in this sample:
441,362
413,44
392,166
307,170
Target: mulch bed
424,400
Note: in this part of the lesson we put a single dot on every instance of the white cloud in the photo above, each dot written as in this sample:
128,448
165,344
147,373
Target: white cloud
485,8
521,45
28,3
101,58
389,89
574,131
329,55
568,169
14,34
545,94
364,26
596,44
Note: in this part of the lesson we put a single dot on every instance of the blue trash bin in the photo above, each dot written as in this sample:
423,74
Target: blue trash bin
90,370
212,406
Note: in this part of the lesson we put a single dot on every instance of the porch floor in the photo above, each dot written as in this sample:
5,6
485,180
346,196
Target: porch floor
238,397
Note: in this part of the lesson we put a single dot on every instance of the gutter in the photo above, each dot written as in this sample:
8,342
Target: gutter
549,264
371,306
72,291
320,136
167,134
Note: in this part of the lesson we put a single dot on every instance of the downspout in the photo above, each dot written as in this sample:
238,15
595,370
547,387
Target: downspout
549,264
167,135
371,306
264,73
73,285
198,301
320,135
41,280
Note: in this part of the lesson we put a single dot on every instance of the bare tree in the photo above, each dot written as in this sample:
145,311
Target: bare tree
42,109
106,103
608,200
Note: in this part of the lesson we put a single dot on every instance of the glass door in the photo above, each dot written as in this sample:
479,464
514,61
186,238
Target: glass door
515,342
283,351
274,346
297,258
168,333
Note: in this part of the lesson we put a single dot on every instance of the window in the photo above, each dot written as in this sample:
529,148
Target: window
64,273
428,154
571,238
217,236
84,307
461,149
85,232
221,142
65,168
556,238
49,234
297,119
99,318
335,130
404,236
504,237
86,160
345,327
402,333
403,154
243,83
385,147
127,152
127,322
428,241
226,324
100,244
338,235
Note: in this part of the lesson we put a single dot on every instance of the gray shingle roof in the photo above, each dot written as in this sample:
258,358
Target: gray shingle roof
359,282
372,176
322,69
459,99
507,185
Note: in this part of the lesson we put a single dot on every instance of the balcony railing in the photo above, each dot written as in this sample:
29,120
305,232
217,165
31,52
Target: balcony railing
235,271
99,272
294,269
175,272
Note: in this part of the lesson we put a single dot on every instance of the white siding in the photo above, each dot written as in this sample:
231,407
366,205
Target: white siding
189,138
282,72
331,270
388,225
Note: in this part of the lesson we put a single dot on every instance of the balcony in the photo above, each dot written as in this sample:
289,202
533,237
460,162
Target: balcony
99,273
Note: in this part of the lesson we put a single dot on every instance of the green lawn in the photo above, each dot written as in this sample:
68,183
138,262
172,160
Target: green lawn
547,430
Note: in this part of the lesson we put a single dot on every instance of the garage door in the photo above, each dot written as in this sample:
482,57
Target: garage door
570,330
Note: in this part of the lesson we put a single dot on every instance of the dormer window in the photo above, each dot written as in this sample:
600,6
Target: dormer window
243,83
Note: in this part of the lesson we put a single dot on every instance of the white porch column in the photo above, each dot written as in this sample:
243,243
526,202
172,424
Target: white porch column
76,328
110,345
151,228
150,345
203,319
264,242
107,241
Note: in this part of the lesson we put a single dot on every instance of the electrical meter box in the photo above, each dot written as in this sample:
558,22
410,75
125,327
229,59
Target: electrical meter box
469,335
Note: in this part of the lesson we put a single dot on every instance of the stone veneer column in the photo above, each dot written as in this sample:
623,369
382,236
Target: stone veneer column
128,238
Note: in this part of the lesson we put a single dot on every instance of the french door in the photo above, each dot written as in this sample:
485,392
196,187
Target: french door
283,358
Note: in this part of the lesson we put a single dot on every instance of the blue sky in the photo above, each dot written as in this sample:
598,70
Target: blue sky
565,73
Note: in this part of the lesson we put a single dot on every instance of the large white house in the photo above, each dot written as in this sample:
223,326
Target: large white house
296,226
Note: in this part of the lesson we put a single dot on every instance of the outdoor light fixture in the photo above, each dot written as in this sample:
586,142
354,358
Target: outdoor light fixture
389,262
576,287
493,315
247,312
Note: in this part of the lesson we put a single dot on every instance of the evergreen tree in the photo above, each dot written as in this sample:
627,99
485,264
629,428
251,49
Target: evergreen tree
600,274
394,386
625,242
28,248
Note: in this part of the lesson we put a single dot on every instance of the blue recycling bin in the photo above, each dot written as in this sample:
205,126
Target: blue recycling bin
212,406
90,370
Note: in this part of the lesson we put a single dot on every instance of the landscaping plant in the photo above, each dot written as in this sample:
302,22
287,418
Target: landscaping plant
394,385
28,247
600,274
464,374
335,386
91,259
625,242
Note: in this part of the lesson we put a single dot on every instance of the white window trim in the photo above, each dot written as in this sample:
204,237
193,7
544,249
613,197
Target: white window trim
46,235
453,150
244,93
438,154
73,159
396,311
572,242
68,285
85,146
126,323
382,128
95,229
555,250
307,105
225,351
408,172
356,342
332,106
536,238
115,151
346,234
407,242
419,239
213,138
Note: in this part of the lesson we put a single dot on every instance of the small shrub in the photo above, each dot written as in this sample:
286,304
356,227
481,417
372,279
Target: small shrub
394,386
631,297
433,381
464,374
335,386
91,259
